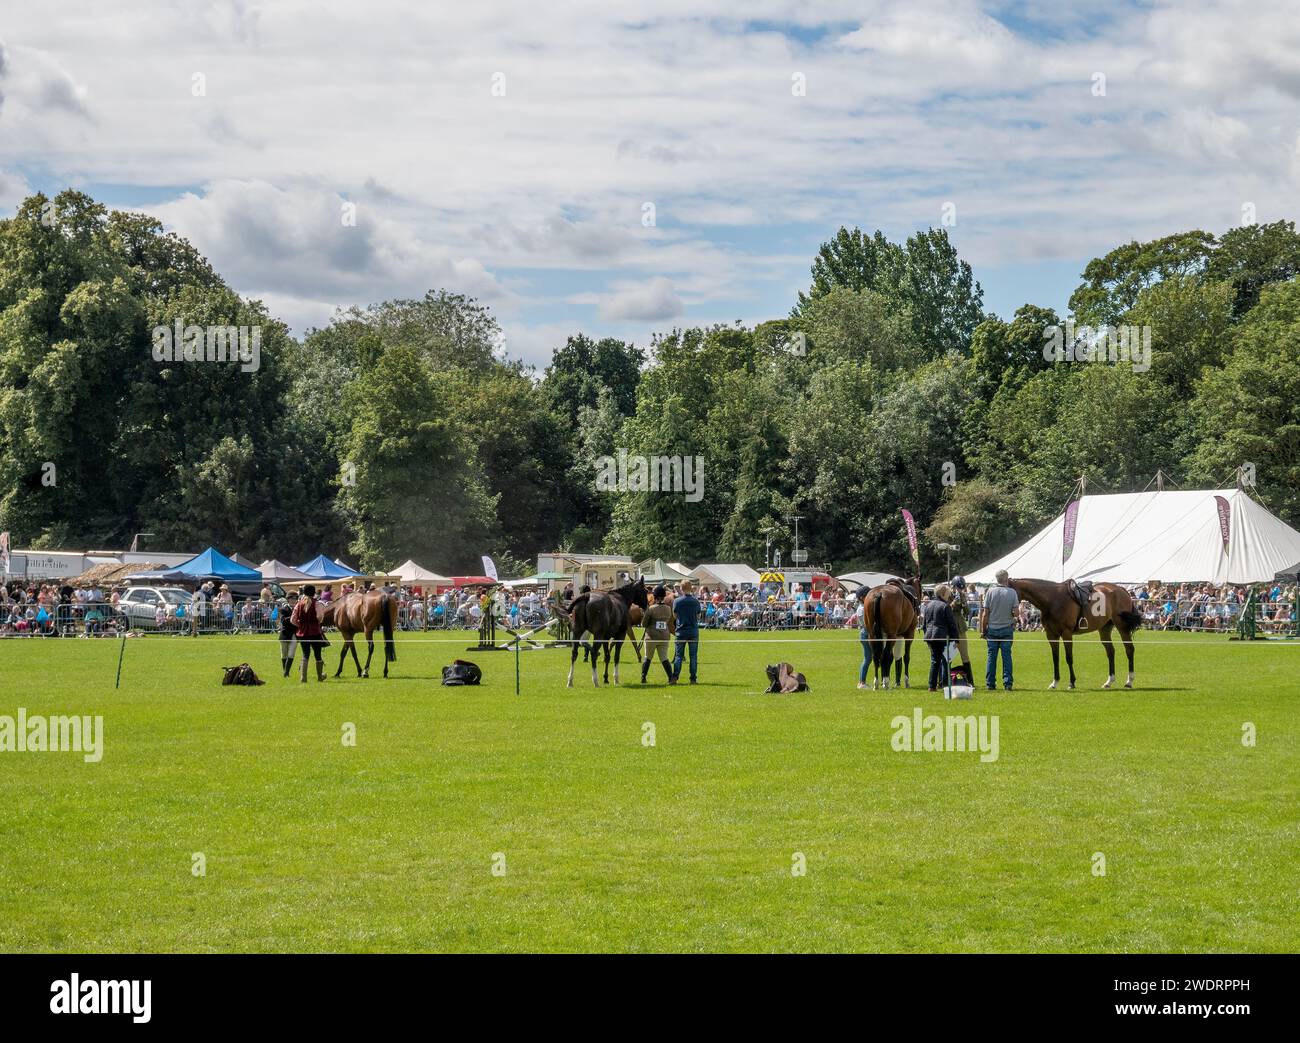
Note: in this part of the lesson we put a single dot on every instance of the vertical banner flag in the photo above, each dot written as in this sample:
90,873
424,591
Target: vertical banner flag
911,538
1067,534
1225,520
489,568
4,550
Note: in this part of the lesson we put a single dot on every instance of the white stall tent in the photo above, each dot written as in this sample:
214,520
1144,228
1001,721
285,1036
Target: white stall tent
410,572
1169,535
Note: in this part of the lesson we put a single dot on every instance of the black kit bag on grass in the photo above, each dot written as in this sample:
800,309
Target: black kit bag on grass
461,671
241,674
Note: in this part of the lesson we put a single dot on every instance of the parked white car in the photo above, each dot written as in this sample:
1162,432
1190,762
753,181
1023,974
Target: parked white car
140,605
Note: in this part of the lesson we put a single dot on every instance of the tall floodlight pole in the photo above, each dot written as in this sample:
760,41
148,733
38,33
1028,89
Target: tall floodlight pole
796,518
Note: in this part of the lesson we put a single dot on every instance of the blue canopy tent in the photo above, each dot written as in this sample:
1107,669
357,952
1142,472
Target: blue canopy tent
320,567
212,564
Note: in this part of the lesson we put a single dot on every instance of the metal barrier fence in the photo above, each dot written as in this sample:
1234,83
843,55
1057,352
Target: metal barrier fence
104,618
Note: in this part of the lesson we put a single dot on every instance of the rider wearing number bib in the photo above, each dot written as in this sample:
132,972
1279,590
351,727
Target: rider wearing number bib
659,627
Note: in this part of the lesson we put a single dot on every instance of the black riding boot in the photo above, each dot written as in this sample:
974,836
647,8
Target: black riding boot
667,668
645,670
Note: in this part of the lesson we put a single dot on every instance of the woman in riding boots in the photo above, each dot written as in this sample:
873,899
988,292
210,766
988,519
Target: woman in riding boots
310,636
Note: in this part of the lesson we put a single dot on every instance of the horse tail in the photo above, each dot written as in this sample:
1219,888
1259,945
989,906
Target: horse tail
1131,619
877,630
387,610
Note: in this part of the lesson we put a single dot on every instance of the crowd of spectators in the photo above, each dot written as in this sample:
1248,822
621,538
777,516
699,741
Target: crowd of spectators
55,609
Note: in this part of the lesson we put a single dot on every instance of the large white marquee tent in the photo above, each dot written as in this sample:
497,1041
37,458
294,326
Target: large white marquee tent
1167,535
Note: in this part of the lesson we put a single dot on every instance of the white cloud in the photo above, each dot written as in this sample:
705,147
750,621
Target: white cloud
652,301
390,105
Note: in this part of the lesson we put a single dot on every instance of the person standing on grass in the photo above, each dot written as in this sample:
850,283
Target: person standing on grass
288,637
939,627
659,624
686,613
860,596
311,638
998,627
961,614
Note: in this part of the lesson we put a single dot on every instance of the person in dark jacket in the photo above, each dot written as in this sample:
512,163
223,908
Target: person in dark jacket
288,636
939,627
311,638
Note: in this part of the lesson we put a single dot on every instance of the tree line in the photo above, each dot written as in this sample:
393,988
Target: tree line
401,429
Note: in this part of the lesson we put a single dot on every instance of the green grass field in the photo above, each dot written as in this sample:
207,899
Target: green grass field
688,844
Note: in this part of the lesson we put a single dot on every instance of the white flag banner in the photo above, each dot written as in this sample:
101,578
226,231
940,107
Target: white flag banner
4,550
489,568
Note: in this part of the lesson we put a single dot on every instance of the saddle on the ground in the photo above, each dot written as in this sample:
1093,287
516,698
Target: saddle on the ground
461,671
241,674
785,678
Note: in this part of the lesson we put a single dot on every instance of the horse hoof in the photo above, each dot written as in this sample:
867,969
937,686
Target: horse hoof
1071,688
1128,684
907,682
1106,685
1051,687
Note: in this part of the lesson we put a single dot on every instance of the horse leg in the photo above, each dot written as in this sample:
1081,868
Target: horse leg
352,644
1105,633
886,661
607,663
907,663
370,651
343,655
1053,639
573,659
595,658
898,664
1126,636
1068,640
618,648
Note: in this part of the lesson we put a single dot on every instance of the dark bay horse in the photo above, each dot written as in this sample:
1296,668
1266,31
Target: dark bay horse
889,618
1110,606
605,616
358,613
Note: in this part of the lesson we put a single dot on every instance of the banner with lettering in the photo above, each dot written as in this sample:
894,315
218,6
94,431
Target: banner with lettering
911,538
1225,520
1071,528
489,568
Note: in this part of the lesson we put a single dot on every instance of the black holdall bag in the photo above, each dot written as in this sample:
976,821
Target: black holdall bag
241,674
461,671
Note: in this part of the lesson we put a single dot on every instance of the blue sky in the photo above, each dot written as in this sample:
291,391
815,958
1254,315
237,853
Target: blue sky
509,152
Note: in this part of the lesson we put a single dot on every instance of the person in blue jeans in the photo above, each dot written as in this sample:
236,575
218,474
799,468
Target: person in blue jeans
998,627
858,595
686,612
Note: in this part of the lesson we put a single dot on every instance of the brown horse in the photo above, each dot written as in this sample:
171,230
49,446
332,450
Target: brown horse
357,613
889,619
1109,606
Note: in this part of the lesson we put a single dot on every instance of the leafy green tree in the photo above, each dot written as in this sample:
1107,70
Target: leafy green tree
1112,283
419,490
583,367
1248,411
925,278
855,261
973,516
1251,257
861,325
1190,323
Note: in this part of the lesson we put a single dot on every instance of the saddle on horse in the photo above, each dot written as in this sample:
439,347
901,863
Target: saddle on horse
906,588
1081,591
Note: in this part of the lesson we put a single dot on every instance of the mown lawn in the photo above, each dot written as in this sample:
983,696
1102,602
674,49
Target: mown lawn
610,844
